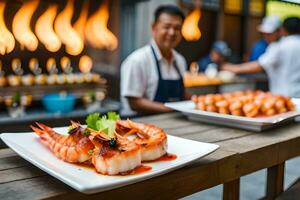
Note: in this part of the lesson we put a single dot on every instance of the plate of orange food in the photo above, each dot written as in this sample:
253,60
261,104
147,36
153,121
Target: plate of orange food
106,153
251,110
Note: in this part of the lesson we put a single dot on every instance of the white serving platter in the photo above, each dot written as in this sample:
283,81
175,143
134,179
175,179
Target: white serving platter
87,180
249,123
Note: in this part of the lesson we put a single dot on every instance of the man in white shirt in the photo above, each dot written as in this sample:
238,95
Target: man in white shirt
152,75
281,61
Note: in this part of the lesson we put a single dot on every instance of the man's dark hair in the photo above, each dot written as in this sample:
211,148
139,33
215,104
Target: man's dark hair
292,25
169,9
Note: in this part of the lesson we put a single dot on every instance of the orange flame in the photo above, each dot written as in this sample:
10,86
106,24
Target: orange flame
97,32
80,24
21,25
85,64
65,31
190,29
44,29
7,40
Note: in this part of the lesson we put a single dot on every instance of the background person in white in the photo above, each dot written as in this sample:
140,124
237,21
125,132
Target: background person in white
152,75
270,30
281,61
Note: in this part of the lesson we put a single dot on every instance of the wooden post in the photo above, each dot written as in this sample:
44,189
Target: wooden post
275,180
231,190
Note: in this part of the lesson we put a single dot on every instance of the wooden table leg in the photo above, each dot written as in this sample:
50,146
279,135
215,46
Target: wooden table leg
275,180
231,190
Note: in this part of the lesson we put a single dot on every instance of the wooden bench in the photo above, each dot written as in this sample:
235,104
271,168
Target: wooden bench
292,193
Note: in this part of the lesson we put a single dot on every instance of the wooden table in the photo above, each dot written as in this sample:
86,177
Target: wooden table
200,84
240,153
200,80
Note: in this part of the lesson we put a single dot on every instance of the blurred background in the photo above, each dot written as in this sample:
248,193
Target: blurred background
72,50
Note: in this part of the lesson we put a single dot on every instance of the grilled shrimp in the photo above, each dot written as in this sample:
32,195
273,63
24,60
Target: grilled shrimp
114,156
73,148
153,140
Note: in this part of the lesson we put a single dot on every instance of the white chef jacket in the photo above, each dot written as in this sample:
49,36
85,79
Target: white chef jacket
139,76
281,62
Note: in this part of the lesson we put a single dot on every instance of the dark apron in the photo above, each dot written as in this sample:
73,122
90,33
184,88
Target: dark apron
168,90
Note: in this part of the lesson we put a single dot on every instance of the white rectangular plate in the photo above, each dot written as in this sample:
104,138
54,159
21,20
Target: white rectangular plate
255,124
86,180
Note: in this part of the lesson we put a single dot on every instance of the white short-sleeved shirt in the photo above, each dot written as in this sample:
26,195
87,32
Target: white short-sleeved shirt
281,62
139,76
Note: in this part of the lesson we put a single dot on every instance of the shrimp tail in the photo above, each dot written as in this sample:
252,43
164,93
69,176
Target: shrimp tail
37,130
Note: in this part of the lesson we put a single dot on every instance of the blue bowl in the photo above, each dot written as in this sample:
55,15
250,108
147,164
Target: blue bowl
59,102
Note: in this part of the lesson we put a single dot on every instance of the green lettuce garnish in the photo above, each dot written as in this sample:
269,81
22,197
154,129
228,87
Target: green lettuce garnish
92,119
91,151
106,124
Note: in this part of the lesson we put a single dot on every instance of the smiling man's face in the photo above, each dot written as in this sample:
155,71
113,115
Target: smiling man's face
167,31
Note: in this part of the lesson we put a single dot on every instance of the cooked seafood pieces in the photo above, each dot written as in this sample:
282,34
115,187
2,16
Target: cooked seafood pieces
153,140
110,155
71,148
114,156
244,103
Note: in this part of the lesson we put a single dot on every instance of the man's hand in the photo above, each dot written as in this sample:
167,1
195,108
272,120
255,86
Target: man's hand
146,106
230,67
244,68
